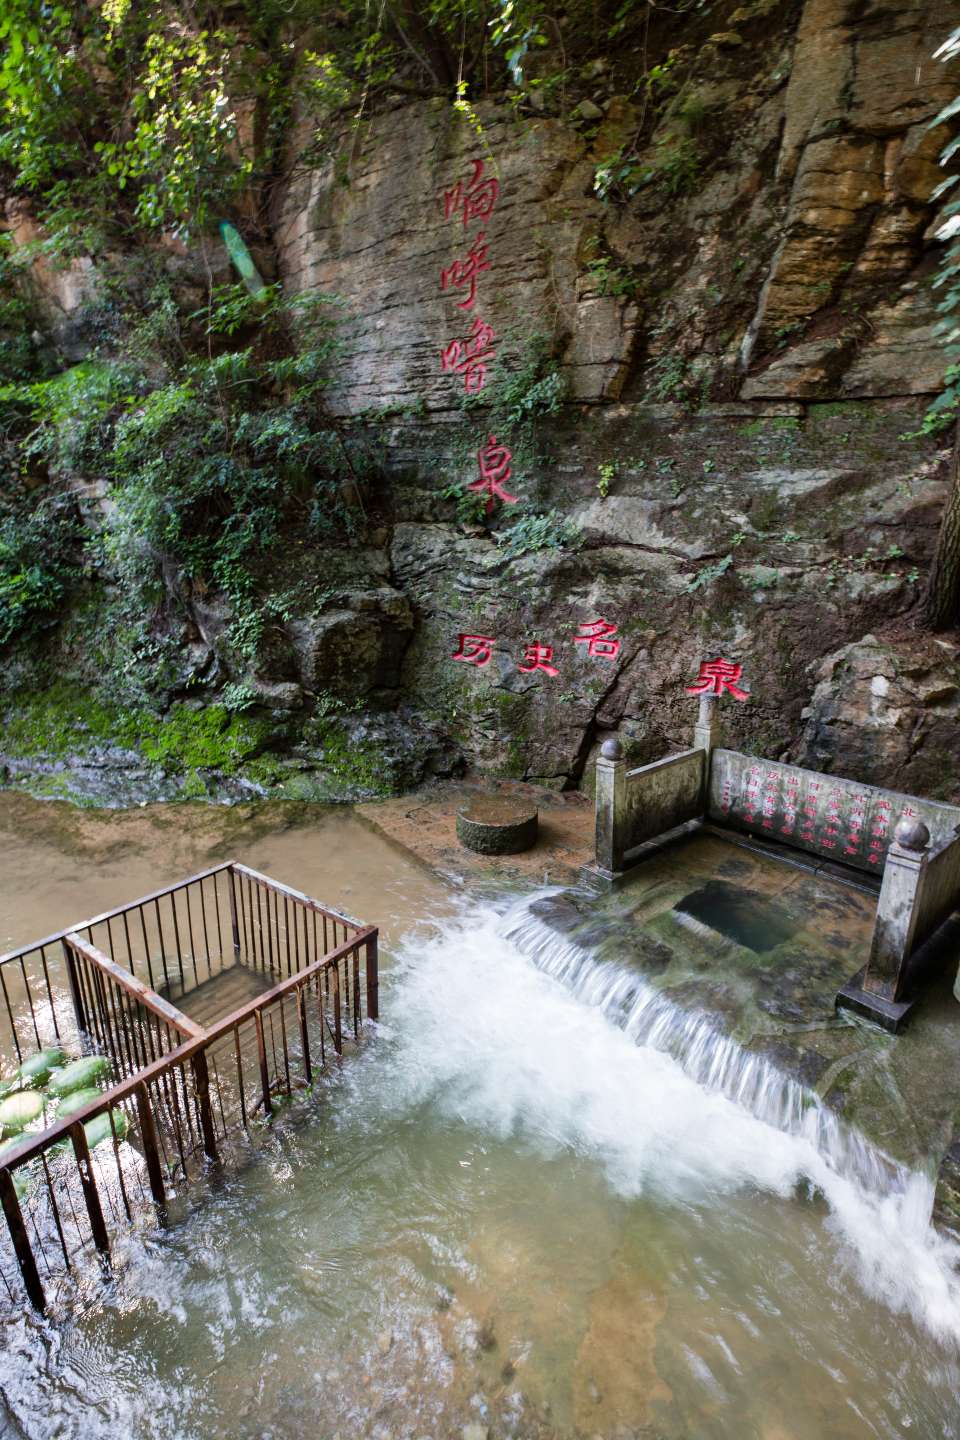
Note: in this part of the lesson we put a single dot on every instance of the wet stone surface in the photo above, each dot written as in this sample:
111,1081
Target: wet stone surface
425,825
761,948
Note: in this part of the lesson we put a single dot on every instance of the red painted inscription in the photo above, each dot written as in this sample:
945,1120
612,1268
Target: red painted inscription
716,676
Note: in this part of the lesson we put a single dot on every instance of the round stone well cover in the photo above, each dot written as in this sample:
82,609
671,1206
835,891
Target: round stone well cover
497,824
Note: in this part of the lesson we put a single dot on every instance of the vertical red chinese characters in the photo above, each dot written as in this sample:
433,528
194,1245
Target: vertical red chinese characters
473,199
493,461
879,831
598,637
791,802
771,799
470,356
474,649
718,676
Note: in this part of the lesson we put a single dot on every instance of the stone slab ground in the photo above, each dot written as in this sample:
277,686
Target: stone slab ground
426,825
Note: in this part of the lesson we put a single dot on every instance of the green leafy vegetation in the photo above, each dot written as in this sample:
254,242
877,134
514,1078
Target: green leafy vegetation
549,531
38,562
208,465
527,386
607,472
118,116
708,573
609,277
208,431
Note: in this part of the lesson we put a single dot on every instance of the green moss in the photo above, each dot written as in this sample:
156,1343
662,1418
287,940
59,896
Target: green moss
56,723
59,723
265,770
352,764
848,408
769,425
57,787
193,739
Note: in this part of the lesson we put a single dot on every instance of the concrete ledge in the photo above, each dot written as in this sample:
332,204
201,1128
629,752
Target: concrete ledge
891,1015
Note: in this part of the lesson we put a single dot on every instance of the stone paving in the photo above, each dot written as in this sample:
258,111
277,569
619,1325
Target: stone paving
426,824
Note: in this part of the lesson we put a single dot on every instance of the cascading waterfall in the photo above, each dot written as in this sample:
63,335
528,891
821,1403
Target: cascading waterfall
511,1028
712,1059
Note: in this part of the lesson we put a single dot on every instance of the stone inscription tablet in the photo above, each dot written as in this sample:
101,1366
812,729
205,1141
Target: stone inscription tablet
824,814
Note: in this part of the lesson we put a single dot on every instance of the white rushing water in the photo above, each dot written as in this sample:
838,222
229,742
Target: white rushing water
516,1030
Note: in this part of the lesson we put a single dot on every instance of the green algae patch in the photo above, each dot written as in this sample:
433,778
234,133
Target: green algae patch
51,737
58,723
60,745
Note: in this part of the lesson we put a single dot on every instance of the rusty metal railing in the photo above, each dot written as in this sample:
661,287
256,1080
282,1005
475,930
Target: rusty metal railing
187,1093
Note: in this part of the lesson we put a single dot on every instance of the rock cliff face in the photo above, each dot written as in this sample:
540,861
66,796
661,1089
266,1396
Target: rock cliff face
785,258
781,289
743,330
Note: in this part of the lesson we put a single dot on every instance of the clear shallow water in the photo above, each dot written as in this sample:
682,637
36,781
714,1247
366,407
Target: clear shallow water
508,1210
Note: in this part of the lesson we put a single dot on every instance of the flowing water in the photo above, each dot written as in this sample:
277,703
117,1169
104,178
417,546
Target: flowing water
540,1201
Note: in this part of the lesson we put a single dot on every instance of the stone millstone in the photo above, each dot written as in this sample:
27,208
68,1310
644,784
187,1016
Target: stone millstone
497,825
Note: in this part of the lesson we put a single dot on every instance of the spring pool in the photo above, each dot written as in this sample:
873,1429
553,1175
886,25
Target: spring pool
505,1213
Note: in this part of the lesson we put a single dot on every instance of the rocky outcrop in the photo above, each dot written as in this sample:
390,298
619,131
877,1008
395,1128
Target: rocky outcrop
861,162
355,648
888,707
767,540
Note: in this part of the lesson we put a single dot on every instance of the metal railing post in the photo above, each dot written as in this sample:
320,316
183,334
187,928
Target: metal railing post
151,1149
373,977
91,1195
21,1242
201,1085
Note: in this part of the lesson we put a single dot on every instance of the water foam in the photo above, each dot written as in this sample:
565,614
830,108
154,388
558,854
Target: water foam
515,1029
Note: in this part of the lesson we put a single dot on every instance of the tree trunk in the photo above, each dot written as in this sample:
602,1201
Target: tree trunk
942,603
425,43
